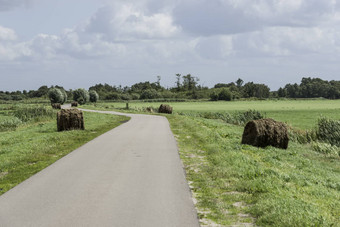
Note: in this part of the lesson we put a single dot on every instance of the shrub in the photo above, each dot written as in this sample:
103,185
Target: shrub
93,96
135,96
81,96
328,130
125,97
33,113
225,94
326,148
64,96
214,96
56,95
10,124
150,94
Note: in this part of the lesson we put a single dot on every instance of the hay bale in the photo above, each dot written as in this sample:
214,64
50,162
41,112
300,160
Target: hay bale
266,132
74,104
70,119
149,109
165,109
56,106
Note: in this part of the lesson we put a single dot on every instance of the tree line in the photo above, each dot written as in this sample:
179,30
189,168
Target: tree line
188,87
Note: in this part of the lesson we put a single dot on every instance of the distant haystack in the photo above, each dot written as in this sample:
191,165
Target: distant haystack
56,106
74,104
266,132
165,109
70,119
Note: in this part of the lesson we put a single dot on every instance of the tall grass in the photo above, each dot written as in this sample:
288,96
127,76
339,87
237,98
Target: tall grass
328,130
33,113
9,124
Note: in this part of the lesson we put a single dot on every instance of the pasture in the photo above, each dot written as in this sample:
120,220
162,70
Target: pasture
301,114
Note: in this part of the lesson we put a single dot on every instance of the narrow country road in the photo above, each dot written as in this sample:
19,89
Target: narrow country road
129,176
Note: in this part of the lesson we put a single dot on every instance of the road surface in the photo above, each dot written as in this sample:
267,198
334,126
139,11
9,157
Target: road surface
129,176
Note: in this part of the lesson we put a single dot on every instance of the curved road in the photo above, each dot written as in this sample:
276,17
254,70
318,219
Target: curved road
129,176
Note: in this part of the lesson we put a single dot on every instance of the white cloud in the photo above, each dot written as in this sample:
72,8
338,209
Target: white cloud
7,34
121,22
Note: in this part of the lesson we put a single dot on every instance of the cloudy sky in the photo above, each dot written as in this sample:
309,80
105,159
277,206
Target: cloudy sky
78,43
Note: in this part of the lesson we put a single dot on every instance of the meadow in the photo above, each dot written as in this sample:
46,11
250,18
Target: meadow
235,184
301,114
29,140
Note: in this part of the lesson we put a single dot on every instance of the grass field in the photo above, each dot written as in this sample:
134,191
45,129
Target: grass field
302,114
35,144
238,185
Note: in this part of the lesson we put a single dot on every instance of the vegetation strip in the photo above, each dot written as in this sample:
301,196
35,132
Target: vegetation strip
237,184
36,144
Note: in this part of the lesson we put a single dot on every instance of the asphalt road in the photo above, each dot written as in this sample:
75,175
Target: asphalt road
129,176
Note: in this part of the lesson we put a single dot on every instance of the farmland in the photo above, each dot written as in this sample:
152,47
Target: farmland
236,184
232,184
302,114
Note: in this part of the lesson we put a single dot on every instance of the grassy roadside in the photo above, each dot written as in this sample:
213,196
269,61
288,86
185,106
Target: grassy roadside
236,184
34,146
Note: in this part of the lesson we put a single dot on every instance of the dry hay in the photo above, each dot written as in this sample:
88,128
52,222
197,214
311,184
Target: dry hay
74,104
56,106
165,109
70,119
266,132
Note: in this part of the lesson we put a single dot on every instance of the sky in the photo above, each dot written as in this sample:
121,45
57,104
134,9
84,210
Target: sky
80,43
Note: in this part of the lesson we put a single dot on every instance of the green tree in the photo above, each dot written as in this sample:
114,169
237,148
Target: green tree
55,95
93,96
81,96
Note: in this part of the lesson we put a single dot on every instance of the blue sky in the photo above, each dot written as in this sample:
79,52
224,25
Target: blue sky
80,43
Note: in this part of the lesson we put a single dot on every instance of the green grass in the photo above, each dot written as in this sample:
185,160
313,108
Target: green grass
237,184
35,145
303,114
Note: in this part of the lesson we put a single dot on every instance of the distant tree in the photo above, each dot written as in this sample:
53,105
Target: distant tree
178,81
150,94
55,96
93,96
239,82
81,96
189,82
225,94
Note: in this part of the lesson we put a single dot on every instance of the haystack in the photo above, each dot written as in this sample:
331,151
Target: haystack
74,104
165,109
56,106
266,132
70,119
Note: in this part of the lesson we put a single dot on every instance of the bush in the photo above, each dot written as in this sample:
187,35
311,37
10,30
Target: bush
150,94
225,94
81,96
33,113
56,95
328,130
10,124
326,148
64,96
93,96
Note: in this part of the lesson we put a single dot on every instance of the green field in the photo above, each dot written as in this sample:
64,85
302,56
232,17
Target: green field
233,184
302,114
35,144
237,185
